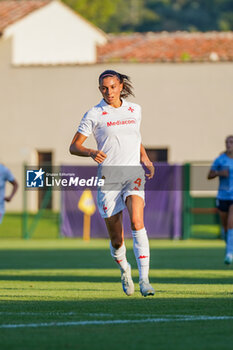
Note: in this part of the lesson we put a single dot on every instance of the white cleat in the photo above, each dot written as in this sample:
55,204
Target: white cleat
146,288
127,282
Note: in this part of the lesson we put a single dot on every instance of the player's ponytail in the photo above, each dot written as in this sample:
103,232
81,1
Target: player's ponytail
125,79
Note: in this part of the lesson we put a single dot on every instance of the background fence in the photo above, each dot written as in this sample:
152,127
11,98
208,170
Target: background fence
173,209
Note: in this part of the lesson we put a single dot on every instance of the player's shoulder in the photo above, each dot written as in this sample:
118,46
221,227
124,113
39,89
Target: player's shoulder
95,110
226,159
221,158
92,113
222,155
4,171
3,168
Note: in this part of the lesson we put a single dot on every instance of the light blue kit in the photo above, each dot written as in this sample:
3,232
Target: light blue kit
5,175
225,190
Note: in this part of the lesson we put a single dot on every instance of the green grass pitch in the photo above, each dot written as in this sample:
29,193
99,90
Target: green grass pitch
66,294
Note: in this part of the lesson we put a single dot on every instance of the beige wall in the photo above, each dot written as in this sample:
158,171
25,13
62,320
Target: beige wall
186,107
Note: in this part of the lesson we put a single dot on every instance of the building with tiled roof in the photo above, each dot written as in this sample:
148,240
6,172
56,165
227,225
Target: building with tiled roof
168,47
47,32
12,10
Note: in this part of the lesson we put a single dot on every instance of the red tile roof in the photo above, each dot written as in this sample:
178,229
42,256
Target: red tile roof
168,47
13,10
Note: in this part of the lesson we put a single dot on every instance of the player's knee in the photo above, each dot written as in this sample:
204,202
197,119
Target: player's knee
137,224
117,242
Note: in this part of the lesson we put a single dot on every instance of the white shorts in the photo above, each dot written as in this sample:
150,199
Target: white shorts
111,200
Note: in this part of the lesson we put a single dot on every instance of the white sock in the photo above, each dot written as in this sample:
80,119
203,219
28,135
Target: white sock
119,255
141,252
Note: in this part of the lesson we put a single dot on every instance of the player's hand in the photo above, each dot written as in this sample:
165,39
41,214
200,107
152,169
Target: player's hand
150,167
98,156
7,199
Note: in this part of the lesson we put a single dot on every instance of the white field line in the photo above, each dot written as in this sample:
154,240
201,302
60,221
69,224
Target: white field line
73,313
99,322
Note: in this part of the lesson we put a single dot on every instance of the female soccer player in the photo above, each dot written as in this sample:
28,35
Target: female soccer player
223,168
115,124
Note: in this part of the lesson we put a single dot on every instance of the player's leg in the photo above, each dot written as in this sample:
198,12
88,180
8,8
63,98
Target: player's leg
225,213
229,246
117,246
223,218
118,251
135,206
111,204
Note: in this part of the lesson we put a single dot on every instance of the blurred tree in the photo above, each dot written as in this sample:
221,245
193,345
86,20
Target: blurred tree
113,15
96,11
156,15
130,15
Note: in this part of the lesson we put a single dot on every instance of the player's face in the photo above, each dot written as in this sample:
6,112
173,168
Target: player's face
229,144
110,89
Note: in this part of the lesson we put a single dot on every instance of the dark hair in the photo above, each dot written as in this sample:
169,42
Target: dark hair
125,79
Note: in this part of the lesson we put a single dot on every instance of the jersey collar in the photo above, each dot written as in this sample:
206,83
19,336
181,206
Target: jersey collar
103,103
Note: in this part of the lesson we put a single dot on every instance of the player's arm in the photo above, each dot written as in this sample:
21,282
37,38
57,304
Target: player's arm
14,189
215,173
146,161
77,149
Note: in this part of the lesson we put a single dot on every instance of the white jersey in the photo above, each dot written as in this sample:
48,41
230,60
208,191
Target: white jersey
116,130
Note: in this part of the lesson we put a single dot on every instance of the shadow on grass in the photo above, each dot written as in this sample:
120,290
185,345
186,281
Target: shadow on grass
116,279
180,259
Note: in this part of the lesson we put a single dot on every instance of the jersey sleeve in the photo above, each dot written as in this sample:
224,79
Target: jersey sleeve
8,175
87,124
216,165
